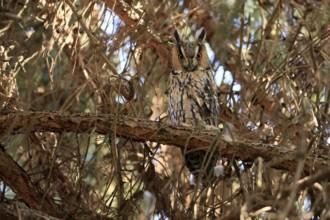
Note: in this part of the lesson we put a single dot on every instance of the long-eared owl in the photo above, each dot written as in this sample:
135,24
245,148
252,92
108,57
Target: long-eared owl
193,98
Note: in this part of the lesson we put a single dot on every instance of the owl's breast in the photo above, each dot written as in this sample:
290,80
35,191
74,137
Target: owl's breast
187,98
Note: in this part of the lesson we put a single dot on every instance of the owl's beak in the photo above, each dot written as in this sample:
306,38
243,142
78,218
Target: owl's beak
191,65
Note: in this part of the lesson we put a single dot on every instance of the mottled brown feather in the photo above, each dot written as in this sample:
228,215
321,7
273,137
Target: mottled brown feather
193,98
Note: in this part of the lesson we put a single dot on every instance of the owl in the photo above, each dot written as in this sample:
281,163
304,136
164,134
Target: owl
193,99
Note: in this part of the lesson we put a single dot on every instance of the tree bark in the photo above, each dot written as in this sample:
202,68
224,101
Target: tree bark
229,145
19,181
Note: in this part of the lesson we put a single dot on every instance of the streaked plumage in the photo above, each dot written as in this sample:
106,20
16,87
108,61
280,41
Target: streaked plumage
193,98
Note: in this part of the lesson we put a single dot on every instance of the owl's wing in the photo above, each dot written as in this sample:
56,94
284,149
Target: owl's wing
206,99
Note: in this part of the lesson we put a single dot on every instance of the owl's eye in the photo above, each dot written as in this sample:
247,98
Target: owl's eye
180,56
199,56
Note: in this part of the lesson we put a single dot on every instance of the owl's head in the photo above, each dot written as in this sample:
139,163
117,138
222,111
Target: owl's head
189,56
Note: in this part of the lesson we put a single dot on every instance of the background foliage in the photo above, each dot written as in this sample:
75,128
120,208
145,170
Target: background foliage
271,62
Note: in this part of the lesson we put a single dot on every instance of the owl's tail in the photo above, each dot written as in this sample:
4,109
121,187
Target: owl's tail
201,164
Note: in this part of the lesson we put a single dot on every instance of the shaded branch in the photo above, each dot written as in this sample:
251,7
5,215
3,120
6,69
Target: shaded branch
12,211
18,180
145,130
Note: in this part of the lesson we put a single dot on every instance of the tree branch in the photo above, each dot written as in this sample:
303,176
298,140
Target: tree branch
230,146
18,180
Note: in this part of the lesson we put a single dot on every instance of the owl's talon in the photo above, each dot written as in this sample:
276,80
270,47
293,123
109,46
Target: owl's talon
211,128
207,127
186,125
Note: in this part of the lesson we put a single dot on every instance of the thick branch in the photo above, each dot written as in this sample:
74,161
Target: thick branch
17,179
144,130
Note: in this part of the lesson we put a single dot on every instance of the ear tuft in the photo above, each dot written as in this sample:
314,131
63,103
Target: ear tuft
202,35
177,36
